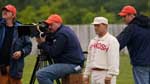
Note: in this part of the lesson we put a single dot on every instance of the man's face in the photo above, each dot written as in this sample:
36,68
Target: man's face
127,19
52,27
100,29
7,14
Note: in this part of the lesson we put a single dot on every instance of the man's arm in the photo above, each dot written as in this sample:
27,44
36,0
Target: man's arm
57,47
125,36
112,60
26,49
27,46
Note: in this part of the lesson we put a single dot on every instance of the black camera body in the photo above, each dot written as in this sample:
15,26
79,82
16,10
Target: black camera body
33,30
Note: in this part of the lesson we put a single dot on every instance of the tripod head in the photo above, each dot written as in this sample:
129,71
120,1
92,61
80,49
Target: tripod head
42,55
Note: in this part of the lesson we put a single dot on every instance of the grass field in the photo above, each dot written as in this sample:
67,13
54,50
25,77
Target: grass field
125,76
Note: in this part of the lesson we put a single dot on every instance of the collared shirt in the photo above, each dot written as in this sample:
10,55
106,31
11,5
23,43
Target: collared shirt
103,53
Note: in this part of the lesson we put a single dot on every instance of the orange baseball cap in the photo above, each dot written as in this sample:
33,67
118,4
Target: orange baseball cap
127,10
54,18
10,8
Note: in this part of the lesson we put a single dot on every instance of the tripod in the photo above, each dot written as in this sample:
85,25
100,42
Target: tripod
42,60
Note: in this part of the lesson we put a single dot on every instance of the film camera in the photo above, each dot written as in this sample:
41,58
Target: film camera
33,30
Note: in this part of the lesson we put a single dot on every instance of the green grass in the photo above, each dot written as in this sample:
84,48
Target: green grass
125,76
29,66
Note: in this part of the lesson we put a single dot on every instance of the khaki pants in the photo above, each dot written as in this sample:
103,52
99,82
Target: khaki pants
98,77
7,79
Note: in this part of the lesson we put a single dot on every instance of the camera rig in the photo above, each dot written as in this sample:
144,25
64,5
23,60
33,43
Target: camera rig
33,30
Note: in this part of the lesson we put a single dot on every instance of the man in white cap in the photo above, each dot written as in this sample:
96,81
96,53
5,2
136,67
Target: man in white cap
103,55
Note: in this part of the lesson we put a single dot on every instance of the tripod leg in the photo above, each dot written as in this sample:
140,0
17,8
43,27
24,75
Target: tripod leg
58,81
33,77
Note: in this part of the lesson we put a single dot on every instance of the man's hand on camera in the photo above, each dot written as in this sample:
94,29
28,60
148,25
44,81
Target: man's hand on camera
40,39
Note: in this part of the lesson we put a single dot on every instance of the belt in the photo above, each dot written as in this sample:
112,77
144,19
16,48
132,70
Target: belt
99,69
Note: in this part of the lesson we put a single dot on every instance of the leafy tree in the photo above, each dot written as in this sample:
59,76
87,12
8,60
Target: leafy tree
109,15
88,17
74,11
27,15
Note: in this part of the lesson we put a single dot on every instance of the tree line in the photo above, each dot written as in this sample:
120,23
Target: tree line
74,11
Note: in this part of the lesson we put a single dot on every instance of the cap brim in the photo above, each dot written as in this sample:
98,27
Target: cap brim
48,21
4,8
95,23
122,14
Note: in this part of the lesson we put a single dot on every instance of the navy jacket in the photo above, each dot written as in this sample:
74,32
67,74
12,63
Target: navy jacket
22,43
136,36
64,47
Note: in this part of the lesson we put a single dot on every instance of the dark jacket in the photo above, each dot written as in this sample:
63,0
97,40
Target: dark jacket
64,47
136,36
22,43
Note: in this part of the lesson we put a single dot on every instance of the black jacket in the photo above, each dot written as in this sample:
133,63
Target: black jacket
64,47
136,36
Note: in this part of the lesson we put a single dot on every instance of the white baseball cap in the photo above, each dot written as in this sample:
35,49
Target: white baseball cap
99,20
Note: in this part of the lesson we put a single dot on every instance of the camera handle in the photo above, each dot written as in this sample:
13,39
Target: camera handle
38,28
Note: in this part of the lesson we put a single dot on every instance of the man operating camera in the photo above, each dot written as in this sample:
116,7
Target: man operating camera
62,45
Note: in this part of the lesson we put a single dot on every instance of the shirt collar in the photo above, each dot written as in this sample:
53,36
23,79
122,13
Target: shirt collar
102,38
